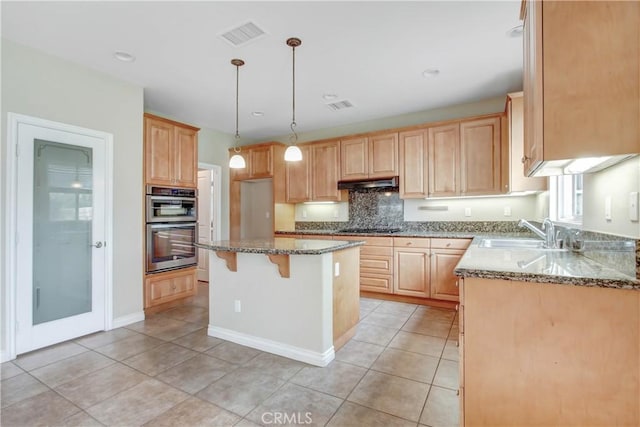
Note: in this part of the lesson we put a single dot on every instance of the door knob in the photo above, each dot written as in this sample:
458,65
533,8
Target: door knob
97,245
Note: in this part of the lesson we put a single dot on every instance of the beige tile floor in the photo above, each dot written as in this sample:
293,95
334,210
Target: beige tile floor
401,369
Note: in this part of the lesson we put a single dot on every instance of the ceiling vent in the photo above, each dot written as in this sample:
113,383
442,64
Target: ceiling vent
243,34
340,105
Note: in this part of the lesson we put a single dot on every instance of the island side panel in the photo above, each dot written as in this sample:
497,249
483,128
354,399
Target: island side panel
346,295
295,312
548,354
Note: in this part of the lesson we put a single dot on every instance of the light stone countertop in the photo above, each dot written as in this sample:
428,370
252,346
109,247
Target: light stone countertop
540,265
280,246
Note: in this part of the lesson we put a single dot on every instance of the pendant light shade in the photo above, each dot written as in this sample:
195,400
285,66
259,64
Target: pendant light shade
237,161
293,153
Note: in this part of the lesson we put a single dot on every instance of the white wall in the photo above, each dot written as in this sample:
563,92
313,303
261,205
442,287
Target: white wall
40,85
617,182
482,209
317,212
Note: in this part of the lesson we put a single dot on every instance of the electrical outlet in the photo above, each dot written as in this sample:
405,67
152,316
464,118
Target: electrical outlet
336,269
467,211
267,215
507,211
237,306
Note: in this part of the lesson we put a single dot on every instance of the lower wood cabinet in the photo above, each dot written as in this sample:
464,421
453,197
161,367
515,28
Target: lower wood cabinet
376,263
548,354
160,288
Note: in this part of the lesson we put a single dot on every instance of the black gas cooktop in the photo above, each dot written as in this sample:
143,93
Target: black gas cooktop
370,230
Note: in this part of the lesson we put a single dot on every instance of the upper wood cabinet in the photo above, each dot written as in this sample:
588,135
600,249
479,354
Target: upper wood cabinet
259,159
444,160
315,177
581,80
170,152
325,171
298,181
513,177
480,156
414,176
375,156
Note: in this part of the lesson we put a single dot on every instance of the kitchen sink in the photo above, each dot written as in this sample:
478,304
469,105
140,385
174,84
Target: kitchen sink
512,243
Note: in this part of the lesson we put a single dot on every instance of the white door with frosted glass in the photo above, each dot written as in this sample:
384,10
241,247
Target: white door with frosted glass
60,272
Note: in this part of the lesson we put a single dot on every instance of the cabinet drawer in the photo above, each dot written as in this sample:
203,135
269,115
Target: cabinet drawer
410,242
370,240
450,243
367,250
376,283
376,264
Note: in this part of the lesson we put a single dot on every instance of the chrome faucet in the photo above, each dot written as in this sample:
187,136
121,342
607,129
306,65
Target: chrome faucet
548,233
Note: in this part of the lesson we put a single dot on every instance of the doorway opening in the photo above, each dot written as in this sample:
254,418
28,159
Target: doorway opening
209,212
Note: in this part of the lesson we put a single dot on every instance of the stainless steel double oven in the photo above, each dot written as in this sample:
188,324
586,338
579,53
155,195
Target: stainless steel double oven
171,228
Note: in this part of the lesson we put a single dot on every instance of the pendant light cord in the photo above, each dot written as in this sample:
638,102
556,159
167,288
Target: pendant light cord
238,63
293,42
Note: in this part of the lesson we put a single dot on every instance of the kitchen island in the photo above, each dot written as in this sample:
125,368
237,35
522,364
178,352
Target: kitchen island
296,298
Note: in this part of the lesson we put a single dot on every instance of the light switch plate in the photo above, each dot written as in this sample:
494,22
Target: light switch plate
607,208
633,206
467,211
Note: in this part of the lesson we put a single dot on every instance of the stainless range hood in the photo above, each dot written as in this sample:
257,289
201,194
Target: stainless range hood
369,183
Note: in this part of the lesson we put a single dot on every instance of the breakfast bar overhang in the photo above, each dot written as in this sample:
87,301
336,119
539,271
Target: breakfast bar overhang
296,298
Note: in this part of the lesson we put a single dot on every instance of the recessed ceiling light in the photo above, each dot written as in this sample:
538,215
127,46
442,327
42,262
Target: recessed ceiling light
430,72
124,56
515,32
329,96
257,114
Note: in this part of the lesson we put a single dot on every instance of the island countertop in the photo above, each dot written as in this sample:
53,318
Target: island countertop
280,246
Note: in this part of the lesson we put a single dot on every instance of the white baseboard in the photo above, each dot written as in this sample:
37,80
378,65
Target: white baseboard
285,350
121,321
4,356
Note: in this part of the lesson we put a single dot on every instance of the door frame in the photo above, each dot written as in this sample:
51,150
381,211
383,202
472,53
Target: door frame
216,200
10,202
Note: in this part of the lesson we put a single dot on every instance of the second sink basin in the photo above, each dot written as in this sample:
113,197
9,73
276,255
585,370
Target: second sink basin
512,243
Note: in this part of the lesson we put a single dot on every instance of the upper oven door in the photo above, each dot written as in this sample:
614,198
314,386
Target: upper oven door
171,209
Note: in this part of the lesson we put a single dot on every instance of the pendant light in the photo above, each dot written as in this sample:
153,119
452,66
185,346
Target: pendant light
237,161
293,153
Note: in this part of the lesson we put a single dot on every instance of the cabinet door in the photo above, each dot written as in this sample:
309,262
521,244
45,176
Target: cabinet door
413,164
354,158
443,280
165,287
185,157
325,171
383,156
158,146
480,156
298,178
532,87
444,160
261,162
411,272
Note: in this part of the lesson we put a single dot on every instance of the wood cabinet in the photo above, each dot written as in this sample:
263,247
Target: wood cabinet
315,177
513,177
570,353
413,165
298,179
374,156
444,160
581,81
480,165
259,161
160,288
376,263
170,152
411,267
445,255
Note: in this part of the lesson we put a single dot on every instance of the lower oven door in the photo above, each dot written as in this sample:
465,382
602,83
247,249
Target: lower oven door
170,246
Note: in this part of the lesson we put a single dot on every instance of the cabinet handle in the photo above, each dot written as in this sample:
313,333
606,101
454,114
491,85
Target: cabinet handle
173,288
458,392
408,243
457,306
457,285
525,158
448,244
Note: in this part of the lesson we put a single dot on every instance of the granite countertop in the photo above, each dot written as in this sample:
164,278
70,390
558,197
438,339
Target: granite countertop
407,233
539,265
280,246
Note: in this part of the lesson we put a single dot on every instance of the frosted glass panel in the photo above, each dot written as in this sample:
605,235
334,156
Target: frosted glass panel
62,221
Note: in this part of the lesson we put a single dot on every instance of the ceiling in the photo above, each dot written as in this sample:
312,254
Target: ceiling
372,54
